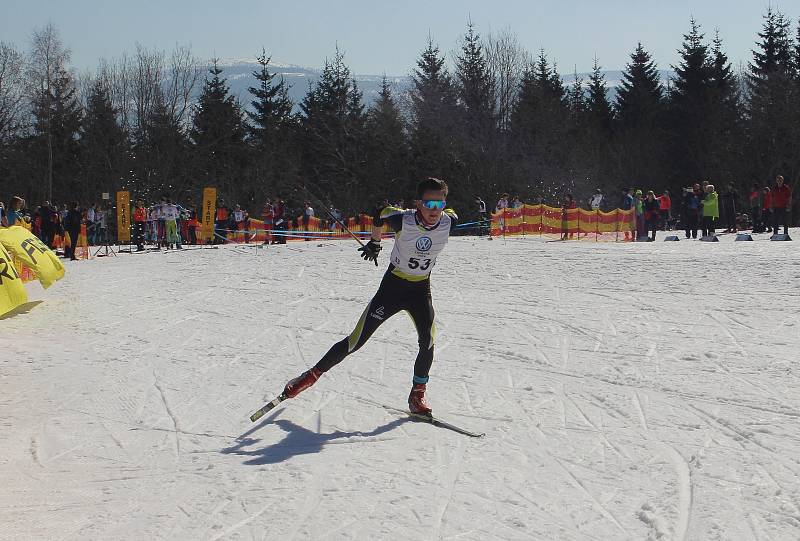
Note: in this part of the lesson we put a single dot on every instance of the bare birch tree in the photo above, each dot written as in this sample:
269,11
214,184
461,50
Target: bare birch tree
12,66
507,60
46,62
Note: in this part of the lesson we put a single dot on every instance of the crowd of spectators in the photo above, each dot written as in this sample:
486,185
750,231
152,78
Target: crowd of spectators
700,210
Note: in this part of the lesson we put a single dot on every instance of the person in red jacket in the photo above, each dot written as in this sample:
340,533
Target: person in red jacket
766,208
279,223
665,210
781,202
139,222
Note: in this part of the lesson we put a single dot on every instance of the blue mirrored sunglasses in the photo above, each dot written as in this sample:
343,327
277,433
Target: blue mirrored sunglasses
434,203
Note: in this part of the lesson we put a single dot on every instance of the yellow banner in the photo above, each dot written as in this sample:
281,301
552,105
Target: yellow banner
208,212
124,216
12,292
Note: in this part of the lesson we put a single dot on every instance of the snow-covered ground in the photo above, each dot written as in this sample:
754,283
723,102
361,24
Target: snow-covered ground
627,391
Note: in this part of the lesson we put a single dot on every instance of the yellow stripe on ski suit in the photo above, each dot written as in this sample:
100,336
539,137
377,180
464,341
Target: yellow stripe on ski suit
355,336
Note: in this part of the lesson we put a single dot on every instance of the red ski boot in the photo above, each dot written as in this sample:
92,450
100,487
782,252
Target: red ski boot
301,383
416,400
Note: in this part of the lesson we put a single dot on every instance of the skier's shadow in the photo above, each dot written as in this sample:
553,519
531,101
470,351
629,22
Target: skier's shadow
298,441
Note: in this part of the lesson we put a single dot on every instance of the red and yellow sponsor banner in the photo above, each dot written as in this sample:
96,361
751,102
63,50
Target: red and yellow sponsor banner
124,216
545,220
207,213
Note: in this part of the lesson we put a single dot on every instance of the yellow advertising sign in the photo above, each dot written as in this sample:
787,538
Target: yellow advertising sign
124,216
208,213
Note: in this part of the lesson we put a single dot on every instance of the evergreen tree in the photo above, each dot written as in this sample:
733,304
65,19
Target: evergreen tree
387,149
161,158
57,113
772,101
539,130
218,135
600,110
271,107
598,132
691,103
475,88
103,143
725,118
332,120
434,110
640,110
576,100
271,133
640,96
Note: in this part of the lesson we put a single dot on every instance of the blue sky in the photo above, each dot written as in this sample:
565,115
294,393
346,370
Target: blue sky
378,36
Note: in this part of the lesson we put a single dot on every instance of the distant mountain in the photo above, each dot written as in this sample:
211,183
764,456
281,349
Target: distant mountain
239,73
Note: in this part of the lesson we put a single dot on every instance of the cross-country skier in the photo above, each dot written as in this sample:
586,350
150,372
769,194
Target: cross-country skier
421,235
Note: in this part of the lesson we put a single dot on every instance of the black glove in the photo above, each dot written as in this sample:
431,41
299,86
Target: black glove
370,251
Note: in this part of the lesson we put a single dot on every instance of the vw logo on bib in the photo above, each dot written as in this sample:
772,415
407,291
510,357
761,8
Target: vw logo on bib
424,244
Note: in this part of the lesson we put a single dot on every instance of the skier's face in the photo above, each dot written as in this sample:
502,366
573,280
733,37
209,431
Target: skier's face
431,215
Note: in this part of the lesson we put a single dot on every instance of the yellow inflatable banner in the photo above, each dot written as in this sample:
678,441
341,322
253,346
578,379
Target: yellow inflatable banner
33,253
208,213
12,292
123,216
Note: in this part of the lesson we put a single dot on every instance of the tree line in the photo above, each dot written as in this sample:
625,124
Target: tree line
494,119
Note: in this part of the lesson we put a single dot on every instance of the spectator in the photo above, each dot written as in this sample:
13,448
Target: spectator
308,213
73,226
170,214
139,223
766,208
3,221
569,204
240,222
710,211
691,210
665,210
193,223
16,214
627,204
652,214
638,205
596,200
48,223
483,226
730,206
755,209
516,203
101,225
221,223
781,203
279,209
481,207
502,203
267,218
90,224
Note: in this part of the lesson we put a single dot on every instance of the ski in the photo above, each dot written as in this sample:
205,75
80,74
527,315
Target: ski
435,421
267,407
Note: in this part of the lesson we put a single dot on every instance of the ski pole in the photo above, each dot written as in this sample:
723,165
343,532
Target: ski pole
337,220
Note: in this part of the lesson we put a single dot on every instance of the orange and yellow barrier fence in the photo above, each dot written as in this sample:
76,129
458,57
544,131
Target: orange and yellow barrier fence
569,223
257,231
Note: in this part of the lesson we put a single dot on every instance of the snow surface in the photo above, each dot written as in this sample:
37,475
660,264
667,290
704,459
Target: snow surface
627,391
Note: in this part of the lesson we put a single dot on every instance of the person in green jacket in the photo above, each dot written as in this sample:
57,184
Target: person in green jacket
710,211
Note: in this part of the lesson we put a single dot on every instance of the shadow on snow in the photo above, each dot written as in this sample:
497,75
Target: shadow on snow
298,441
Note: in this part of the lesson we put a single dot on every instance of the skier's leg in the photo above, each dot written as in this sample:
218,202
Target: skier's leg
421,311
377,311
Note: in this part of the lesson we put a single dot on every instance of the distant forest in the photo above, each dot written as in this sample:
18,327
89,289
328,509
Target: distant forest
494,118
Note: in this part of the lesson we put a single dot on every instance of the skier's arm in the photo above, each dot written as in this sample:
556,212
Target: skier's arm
453,218
391,216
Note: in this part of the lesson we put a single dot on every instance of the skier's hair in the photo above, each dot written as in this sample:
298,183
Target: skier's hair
431,184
